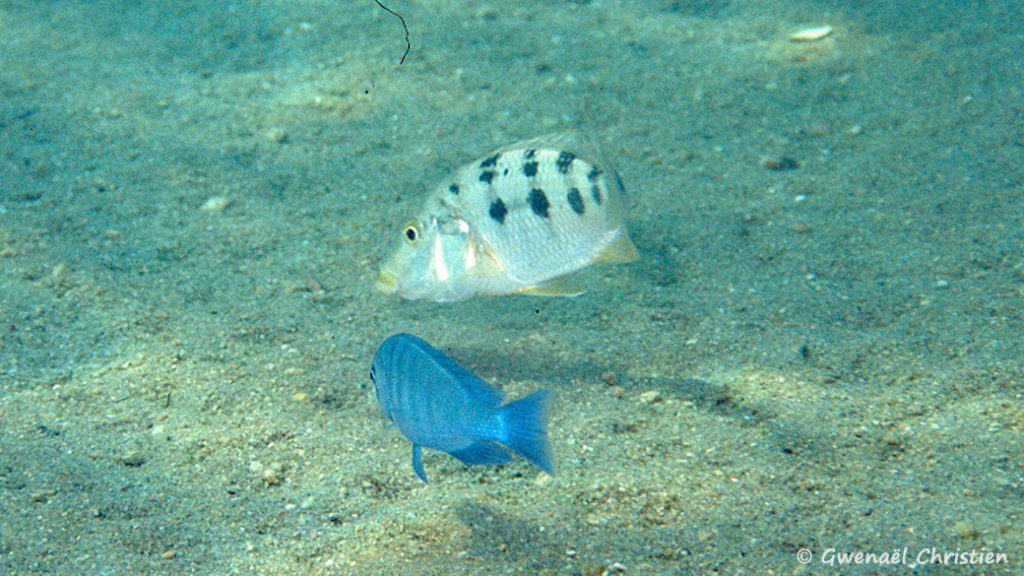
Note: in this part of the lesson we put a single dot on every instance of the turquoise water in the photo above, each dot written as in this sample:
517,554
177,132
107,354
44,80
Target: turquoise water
819,353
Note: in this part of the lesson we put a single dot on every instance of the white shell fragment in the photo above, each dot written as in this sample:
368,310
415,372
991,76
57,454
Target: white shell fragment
810,34
215,204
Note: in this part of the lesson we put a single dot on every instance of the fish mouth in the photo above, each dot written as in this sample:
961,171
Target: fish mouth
387,282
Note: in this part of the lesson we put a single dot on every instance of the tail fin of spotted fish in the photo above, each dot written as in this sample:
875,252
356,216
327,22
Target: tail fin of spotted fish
526,428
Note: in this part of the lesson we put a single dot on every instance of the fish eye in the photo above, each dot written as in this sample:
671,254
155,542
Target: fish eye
411,231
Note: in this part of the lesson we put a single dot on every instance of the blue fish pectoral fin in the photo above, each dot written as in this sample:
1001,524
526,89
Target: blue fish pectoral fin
526,429
417,463
485,452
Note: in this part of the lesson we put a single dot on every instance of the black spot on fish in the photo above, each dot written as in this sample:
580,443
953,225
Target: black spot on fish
498,211
530,169
538,202
594,174
489,162
576,201
529,154
564,161
454,189
596,193
486,176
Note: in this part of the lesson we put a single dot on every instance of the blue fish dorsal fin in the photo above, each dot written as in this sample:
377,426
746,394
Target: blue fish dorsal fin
485,452
480,391
477,389
417,463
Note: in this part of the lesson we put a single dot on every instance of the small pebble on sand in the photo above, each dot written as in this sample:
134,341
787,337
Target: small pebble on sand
966,529
276,134
650,397
271,477
215,204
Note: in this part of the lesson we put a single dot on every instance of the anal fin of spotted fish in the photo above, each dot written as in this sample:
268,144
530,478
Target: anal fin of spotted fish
568,285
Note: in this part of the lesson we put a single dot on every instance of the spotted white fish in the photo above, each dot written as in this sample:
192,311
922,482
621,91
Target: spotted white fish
521,220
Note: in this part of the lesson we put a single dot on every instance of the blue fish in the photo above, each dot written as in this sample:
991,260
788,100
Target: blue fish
437,403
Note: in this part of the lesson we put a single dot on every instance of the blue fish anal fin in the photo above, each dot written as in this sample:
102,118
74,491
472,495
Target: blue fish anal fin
417,463
526,429
484,452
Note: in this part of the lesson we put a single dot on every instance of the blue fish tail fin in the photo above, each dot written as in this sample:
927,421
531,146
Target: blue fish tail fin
526,428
